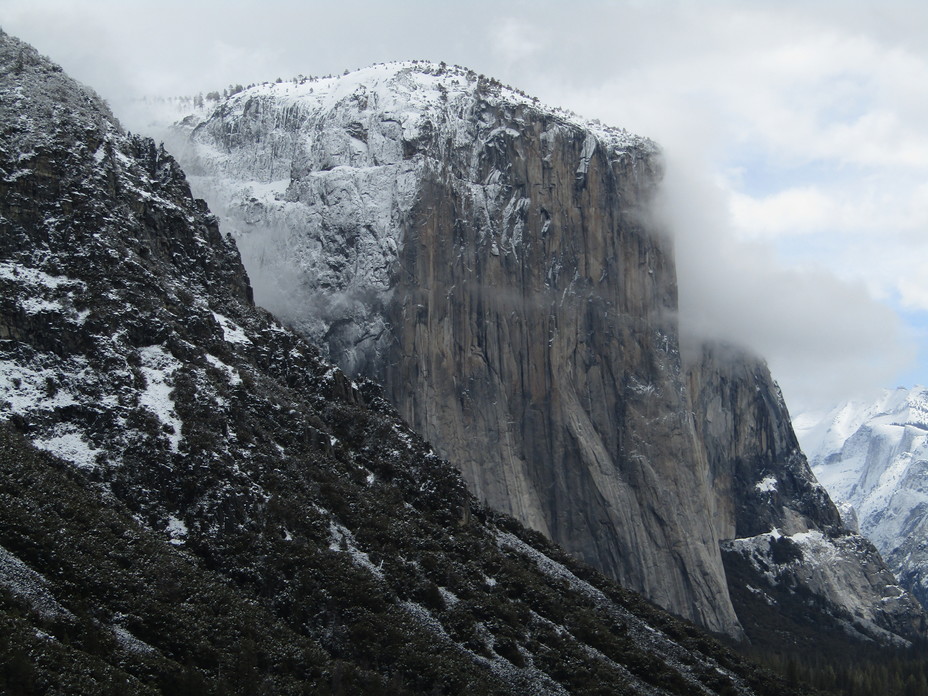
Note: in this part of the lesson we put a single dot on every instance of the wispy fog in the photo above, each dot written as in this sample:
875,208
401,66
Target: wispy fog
825,339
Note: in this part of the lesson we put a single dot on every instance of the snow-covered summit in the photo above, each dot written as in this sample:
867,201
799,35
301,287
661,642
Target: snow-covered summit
896,416
440,233
413,95
316,177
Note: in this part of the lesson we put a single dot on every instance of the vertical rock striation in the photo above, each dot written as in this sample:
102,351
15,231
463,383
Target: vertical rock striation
534,342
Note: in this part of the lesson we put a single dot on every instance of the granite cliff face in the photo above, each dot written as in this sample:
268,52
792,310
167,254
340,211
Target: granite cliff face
493,264
490,263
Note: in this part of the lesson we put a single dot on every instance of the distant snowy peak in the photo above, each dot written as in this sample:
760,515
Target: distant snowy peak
851,447
872,457
822,436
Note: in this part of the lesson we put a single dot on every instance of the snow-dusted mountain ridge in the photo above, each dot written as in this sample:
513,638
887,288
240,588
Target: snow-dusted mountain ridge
873,457
192,501
395,99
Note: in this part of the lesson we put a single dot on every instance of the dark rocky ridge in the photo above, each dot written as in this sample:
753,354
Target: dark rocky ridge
494,264
212,508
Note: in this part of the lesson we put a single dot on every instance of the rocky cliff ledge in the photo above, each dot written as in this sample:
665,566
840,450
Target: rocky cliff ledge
786,548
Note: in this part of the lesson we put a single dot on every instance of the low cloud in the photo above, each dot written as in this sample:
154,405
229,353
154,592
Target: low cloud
515,40
824,338
795,211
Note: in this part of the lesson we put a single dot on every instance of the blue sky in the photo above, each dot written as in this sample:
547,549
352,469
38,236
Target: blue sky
797,185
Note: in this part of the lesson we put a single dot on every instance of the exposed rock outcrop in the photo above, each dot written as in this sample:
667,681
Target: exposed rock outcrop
781,528
759,475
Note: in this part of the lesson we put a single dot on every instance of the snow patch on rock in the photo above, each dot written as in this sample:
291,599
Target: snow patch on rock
70,444
231,332
767,485
158,367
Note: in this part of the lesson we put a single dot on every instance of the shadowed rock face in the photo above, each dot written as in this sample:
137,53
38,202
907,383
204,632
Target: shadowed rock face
781,529
759,475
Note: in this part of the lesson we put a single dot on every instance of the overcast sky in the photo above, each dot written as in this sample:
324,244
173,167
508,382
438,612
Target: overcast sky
796,135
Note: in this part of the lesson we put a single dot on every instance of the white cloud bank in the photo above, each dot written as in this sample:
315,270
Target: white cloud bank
797,174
